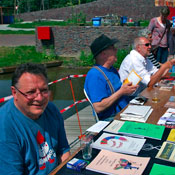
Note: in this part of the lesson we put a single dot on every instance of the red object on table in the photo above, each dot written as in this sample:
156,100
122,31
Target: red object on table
43,33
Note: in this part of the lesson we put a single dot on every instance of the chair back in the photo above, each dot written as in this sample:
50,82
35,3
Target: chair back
93,110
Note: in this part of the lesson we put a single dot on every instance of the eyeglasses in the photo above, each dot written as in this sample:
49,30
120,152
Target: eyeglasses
33,94
147,44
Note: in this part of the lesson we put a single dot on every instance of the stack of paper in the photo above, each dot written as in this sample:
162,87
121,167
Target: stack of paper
136,113
118,143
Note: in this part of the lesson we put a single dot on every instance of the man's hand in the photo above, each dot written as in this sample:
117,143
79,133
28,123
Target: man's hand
172,61
128,88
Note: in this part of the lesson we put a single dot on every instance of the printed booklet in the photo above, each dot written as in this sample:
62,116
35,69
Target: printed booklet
142,129
118,143
108,162
167,152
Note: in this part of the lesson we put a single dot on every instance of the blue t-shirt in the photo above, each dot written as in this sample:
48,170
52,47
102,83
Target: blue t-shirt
30,146
97,89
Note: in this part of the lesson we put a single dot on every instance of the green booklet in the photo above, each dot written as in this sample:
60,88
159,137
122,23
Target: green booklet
158,169
142,130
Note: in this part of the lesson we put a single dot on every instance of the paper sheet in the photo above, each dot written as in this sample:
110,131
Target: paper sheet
98,126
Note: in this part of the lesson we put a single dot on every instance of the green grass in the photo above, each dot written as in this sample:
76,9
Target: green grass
37,23
12,56
16,32
45,23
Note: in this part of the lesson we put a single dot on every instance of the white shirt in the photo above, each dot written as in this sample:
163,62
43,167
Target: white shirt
142,66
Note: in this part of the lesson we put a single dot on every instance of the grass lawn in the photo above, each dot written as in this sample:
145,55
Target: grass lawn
12,56
16,32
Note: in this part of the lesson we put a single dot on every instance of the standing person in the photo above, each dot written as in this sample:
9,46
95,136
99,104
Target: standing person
137,60
171,42
32,135
147,34
159,27
105,102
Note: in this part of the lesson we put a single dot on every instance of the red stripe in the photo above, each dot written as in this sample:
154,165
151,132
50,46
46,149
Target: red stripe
55,81
2,100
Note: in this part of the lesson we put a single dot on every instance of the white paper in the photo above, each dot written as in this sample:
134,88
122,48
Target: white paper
133,78
165,116
98,126
114,126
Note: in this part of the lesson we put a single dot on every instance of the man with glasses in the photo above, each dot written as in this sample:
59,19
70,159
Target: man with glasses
137,60
102,84
32,135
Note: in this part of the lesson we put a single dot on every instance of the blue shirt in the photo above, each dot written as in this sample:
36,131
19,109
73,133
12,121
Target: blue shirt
97,89
30,146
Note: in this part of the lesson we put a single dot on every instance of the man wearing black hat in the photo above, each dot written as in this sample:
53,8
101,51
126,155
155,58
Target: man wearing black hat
102,84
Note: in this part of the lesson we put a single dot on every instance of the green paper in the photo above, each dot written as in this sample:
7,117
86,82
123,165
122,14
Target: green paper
158,169
143,129
172,75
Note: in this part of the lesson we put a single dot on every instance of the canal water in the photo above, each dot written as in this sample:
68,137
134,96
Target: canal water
62,95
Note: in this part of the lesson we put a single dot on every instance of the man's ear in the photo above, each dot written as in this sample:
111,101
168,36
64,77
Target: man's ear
13,91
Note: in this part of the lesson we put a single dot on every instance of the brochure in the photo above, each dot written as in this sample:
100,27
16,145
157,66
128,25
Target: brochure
114,126
171,136
171,102
142,129
118,143
158,169
108,162
167,152
133,77
97,127
168,119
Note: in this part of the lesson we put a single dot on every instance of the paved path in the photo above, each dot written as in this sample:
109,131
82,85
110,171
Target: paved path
5,27
16,40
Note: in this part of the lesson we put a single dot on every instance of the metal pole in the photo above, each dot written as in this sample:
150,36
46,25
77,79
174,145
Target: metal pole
14,8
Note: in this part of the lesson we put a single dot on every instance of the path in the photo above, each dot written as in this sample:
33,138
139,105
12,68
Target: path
18,39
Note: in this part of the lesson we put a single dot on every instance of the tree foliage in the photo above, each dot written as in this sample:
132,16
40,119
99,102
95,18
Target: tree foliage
36,5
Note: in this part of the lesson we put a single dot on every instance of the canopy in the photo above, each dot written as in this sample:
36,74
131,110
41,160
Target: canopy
169,3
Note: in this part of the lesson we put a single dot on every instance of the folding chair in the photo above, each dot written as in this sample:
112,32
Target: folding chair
93,110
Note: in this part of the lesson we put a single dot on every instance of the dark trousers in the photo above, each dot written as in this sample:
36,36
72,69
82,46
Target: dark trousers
162,54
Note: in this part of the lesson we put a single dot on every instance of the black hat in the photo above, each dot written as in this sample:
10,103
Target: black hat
101,43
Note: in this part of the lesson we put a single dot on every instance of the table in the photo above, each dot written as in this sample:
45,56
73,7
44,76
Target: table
158,111
158,108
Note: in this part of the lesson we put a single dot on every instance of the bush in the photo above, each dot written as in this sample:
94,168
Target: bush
88,60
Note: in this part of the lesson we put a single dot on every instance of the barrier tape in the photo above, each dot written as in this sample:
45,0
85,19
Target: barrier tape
65,78
77,102
61,79
5,98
